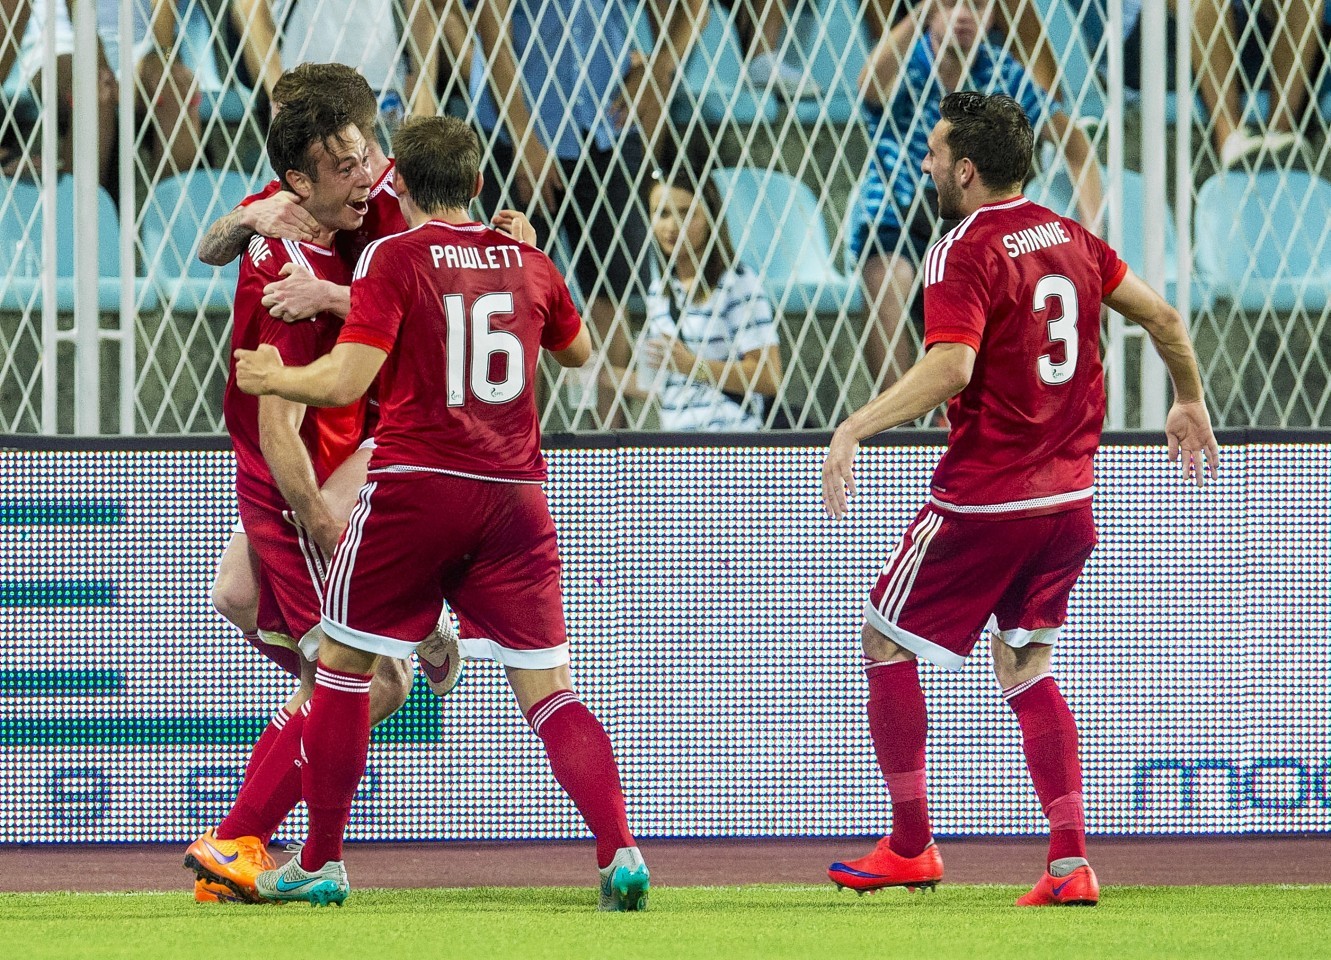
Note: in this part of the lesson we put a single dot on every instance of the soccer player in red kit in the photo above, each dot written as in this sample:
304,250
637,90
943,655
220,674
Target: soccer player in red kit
283,453
1012,327
450,317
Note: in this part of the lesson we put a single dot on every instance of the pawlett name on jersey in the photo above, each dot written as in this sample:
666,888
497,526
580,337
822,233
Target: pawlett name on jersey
1035,238
497,257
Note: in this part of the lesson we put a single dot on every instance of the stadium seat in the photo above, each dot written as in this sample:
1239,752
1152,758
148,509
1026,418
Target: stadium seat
829,37
198,51
1073,35
1264,239
714,85
778,230
21,228
175,216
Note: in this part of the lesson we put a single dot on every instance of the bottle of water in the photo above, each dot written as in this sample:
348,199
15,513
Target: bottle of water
391,110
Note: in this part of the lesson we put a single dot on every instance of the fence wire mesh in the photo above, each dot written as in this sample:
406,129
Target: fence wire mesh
604,120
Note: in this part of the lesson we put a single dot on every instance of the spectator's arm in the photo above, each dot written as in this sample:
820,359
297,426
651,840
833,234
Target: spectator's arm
253,20
536,173
883,70
423,40
165,20
758,370
676,24
1032,45
13,21
1084,167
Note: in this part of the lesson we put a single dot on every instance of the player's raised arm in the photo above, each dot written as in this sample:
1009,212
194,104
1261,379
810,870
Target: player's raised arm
334,380
280,216
1188,425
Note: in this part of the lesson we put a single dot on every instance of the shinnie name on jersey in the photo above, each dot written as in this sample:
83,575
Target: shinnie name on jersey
1035,238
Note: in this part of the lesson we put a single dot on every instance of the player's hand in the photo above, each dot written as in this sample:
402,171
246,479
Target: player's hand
516,225
1188,428
299,295
255,368
839,474
282,217
327,533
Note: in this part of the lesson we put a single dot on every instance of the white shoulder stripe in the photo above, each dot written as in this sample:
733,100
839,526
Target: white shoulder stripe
936,259
363,264
297,255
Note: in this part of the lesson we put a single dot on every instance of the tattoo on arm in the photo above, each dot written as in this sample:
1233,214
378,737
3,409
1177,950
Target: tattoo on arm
225,240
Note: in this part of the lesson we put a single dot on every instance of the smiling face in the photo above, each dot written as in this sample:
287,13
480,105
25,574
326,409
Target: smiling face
679,221
338,195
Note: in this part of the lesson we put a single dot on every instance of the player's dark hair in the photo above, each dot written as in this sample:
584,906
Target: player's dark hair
439,158
992,132
295,131
720,252
335,82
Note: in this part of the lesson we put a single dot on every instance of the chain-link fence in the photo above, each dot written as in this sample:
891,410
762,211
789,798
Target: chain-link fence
732,188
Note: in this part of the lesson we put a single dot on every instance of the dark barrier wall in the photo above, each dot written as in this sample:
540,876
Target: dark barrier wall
714,615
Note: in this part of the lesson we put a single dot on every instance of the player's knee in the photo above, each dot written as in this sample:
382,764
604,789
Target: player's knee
879,649
236,604
390,689
1014,665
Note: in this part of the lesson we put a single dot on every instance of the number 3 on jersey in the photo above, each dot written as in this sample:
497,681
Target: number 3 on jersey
1062,329
485,343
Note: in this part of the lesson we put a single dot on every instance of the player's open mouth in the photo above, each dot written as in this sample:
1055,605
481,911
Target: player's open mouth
362,207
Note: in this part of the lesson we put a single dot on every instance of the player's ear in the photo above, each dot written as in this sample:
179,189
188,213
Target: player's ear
480,182
299,183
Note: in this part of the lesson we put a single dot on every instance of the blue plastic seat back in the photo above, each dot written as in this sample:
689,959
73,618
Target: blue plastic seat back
830,41
714,83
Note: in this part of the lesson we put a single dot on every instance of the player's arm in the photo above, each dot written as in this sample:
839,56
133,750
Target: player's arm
289,461
280,216
576,353
299,295
882,71
1083,166
334,380
943,373
1188,425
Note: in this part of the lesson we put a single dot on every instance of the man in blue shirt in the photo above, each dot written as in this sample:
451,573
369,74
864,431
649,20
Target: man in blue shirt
570,102
941,47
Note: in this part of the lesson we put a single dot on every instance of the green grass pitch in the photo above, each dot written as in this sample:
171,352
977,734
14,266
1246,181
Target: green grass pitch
731,923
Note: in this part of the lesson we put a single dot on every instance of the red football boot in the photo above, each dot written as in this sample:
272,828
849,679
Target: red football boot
883,868
1078,889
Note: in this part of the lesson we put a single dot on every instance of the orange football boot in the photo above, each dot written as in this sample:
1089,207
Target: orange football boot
231,863
883,868
1078,889
209,891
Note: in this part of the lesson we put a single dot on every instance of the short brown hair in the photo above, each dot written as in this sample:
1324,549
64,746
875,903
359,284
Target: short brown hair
335,82
294,132
439,158
992,132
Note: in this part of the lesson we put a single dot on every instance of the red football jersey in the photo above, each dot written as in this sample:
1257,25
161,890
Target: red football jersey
331,434
1023,287
462,311
383,219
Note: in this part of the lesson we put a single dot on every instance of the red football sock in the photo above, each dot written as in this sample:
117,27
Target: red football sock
271,792
584,764
263,745
898,723
335,743
1049,736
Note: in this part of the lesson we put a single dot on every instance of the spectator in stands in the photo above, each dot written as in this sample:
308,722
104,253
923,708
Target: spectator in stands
762,24
581,106
710,353
278,34
940,47
439,26
1293,29
31,19
166,96
1018,19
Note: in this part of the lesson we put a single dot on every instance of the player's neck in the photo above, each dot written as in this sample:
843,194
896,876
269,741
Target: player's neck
415,216
987,199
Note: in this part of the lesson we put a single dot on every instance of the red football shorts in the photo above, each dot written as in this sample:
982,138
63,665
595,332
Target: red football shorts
952,577
291,570
418,538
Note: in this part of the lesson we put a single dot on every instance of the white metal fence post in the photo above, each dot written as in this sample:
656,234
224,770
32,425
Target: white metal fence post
87,345
1154,70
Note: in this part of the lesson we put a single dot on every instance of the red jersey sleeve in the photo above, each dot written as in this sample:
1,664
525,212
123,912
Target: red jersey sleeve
1112,269
270,188
564,322
956,297
377,304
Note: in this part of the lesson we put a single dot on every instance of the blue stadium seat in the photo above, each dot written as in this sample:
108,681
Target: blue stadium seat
22,226
1265,239
198,51
829,37
777,229
175,216
714,83
1072,34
